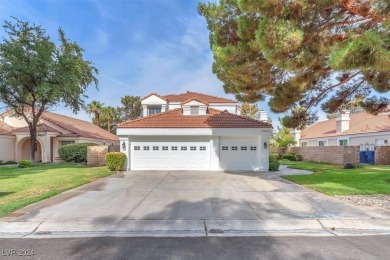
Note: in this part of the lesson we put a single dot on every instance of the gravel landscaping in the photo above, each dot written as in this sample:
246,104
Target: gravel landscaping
382,201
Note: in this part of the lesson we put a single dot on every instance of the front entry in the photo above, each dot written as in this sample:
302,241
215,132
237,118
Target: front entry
26,151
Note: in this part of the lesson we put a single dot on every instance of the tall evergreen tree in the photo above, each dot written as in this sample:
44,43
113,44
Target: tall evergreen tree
131,108
302,53
249,110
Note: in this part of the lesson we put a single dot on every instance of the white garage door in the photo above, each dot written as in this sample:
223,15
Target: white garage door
170,155
240,153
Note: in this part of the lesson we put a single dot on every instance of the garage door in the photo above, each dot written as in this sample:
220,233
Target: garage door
240,153
170,155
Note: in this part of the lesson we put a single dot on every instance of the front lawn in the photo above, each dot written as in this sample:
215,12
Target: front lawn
21,187
333,180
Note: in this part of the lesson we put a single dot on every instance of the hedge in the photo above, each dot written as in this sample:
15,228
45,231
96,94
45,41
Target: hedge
274,162
74,152
25,163
115,161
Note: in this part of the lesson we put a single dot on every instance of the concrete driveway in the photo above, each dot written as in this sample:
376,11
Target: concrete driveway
192,203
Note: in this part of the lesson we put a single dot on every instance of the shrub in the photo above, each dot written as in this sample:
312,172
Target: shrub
280,156
25,163
115,161
349,165
10,162
298,157
289,156
274,162
74,152
1,162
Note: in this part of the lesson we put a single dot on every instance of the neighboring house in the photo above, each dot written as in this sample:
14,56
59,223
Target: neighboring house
347,130
54,131
194,131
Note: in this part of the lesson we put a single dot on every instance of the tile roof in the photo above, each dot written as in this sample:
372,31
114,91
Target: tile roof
213,119
198,96
79,127
360,123
40,128
5,129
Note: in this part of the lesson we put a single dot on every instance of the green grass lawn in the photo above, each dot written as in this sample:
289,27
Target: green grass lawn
21,187
333,180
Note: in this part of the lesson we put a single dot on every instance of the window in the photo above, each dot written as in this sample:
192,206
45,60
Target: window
234,148
243,148
343,142
321,143
155,148
137,148
253,148
165,148
202,148
380,142
225,148
66,142
304,144
154,110
194,110
174,148
184,148
193,148
146,148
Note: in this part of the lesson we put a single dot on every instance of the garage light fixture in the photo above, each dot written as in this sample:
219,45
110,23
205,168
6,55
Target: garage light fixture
265,145
124,146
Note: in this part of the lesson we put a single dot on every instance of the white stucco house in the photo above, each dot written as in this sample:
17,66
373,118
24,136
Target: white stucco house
54,131
194,131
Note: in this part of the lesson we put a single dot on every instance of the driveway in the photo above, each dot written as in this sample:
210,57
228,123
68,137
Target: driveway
193,203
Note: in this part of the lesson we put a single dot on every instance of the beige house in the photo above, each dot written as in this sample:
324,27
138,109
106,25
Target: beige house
54,131
347,130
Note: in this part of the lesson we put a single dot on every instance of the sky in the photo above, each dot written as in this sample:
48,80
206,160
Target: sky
139,46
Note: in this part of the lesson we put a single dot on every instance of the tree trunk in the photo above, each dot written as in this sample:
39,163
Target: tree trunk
108,125
33,140
97,118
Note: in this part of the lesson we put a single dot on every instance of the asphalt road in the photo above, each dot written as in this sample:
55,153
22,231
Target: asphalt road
357,247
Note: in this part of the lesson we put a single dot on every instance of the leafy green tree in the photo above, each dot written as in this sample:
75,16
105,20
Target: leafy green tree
249,110
302,53
109,114
95,108
282,138
131,108
36,74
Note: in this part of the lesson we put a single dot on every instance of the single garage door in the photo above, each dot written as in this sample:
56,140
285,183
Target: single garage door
240,153
170,155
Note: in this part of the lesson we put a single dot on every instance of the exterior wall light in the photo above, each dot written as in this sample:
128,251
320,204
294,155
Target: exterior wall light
123,146
265,145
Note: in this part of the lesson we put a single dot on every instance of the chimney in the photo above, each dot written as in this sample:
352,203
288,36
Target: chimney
342,121
261,115
296,134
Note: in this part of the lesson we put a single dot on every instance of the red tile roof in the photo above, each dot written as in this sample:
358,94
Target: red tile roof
198,96
213,119
5,129
360,123
40,128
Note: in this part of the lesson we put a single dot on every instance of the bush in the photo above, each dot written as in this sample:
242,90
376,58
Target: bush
349,165
280,156
74,152
25,163
1,162
298,157
115,161
10,162
289,156
274,162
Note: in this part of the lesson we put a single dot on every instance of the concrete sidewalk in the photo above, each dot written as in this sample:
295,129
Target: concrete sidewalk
190,203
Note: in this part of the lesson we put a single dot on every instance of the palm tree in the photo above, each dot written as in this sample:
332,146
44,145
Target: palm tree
108,113
95,107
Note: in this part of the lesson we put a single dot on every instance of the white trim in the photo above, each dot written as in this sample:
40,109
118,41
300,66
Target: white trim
194,131
349,136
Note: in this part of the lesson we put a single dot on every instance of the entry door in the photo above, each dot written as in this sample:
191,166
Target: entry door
240,153
170,155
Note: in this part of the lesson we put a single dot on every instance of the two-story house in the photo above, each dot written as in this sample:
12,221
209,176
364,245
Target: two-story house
194,131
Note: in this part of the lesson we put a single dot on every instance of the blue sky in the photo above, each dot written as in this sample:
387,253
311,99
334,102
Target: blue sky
139,46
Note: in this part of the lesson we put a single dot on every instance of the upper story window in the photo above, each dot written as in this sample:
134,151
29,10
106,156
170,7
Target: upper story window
154,110
194,110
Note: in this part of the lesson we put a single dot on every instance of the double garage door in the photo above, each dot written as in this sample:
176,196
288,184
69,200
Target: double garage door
170,155
234,153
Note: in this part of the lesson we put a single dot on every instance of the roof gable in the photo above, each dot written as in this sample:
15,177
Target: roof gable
204,98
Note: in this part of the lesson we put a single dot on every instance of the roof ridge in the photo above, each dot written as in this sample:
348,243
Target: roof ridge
150,116
198,93
240,116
